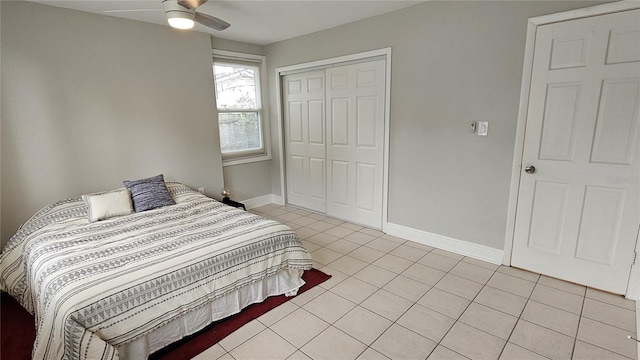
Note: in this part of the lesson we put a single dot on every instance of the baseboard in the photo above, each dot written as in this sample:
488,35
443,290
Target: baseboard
263,200
476,251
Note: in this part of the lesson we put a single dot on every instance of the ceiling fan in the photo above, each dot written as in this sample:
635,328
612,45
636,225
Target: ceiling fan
182,14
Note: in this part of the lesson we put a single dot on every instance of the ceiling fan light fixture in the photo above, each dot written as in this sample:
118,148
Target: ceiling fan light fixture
178,16
182,23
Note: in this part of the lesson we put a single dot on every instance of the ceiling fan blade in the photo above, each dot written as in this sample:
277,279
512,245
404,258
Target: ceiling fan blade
211,21
191,4
129,10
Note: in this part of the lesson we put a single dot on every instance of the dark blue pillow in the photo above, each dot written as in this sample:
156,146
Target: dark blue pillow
149,193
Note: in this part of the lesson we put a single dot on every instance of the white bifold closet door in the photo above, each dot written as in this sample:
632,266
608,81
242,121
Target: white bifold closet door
334,141
304,128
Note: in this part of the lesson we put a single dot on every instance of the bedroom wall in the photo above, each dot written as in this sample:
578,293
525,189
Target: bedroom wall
453,62
92,100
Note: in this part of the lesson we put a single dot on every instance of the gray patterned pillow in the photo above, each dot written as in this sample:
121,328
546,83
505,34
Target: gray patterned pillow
149,193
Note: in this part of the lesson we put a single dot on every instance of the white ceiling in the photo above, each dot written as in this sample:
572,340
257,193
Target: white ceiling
259,22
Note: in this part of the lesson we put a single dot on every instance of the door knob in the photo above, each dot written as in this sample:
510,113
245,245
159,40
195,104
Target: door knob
530,169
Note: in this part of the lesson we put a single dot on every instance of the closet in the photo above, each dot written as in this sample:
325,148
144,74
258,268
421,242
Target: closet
333,123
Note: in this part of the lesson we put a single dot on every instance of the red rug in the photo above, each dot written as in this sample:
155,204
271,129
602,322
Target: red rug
18,330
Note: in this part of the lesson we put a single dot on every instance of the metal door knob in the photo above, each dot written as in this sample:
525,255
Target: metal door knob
530,169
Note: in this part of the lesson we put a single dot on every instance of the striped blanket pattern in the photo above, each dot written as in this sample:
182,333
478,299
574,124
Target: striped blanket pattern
95,286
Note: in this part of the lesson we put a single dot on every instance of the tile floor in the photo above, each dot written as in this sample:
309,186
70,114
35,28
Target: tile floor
396,299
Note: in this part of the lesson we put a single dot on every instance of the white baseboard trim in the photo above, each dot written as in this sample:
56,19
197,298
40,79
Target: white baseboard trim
263,200
476,251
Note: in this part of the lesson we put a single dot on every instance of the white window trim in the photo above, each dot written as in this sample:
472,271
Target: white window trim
261,62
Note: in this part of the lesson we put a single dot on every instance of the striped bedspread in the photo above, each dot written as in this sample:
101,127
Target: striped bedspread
95,286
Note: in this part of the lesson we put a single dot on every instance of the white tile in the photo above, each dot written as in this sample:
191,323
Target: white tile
241,335
277,313
303,221
439,262
266,345
386,304
408,252
407,288
353,227
551,318
325,256
424,274
608,337
372,232
305,232
366,254
445,303
336,277
459,286
610,314
586,351
473,343
426,322
404,241
371,354
364,325
541,340
308,295
443,353
333,344
321,226
393,263
360,238
613,299
401,343
489,320
299,355
322,239
299,327
375,275
354,290
562,285
512,352
329,307
519,273
447,254
511,284
472,272
557,298
484,264
501,300
339,231
383,245
348,265
212,353
343,246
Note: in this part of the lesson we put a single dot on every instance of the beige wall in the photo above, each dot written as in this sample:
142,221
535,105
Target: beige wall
92,100
453,62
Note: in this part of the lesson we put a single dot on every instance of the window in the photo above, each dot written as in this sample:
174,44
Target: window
238,100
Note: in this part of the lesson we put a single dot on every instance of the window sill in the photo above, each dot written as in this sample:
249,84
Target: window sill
246,160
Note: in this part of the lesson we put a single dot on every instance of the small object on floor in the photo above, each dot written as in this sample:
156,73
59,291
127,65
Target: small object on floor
227,200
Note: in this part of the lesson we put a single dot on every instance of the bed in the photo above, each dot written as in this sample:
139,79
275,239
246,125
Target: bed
128,285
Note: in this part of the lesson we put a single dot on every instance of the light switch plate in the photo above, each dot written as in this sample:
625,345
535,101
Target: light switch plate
483,128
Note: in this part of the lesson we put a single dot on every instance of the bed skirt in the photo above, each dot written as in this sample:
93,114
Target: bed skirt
287,282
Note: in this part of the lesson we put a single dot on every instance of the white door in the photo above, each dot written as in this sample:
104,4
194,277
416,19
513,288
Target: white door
305,139
355,142
578,213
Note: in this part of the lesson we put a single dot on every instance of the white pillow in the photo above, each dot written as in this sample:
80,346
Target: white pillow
110,204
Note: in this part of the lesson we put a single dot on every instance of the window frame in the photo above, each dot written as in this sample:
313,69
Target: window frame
259,62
